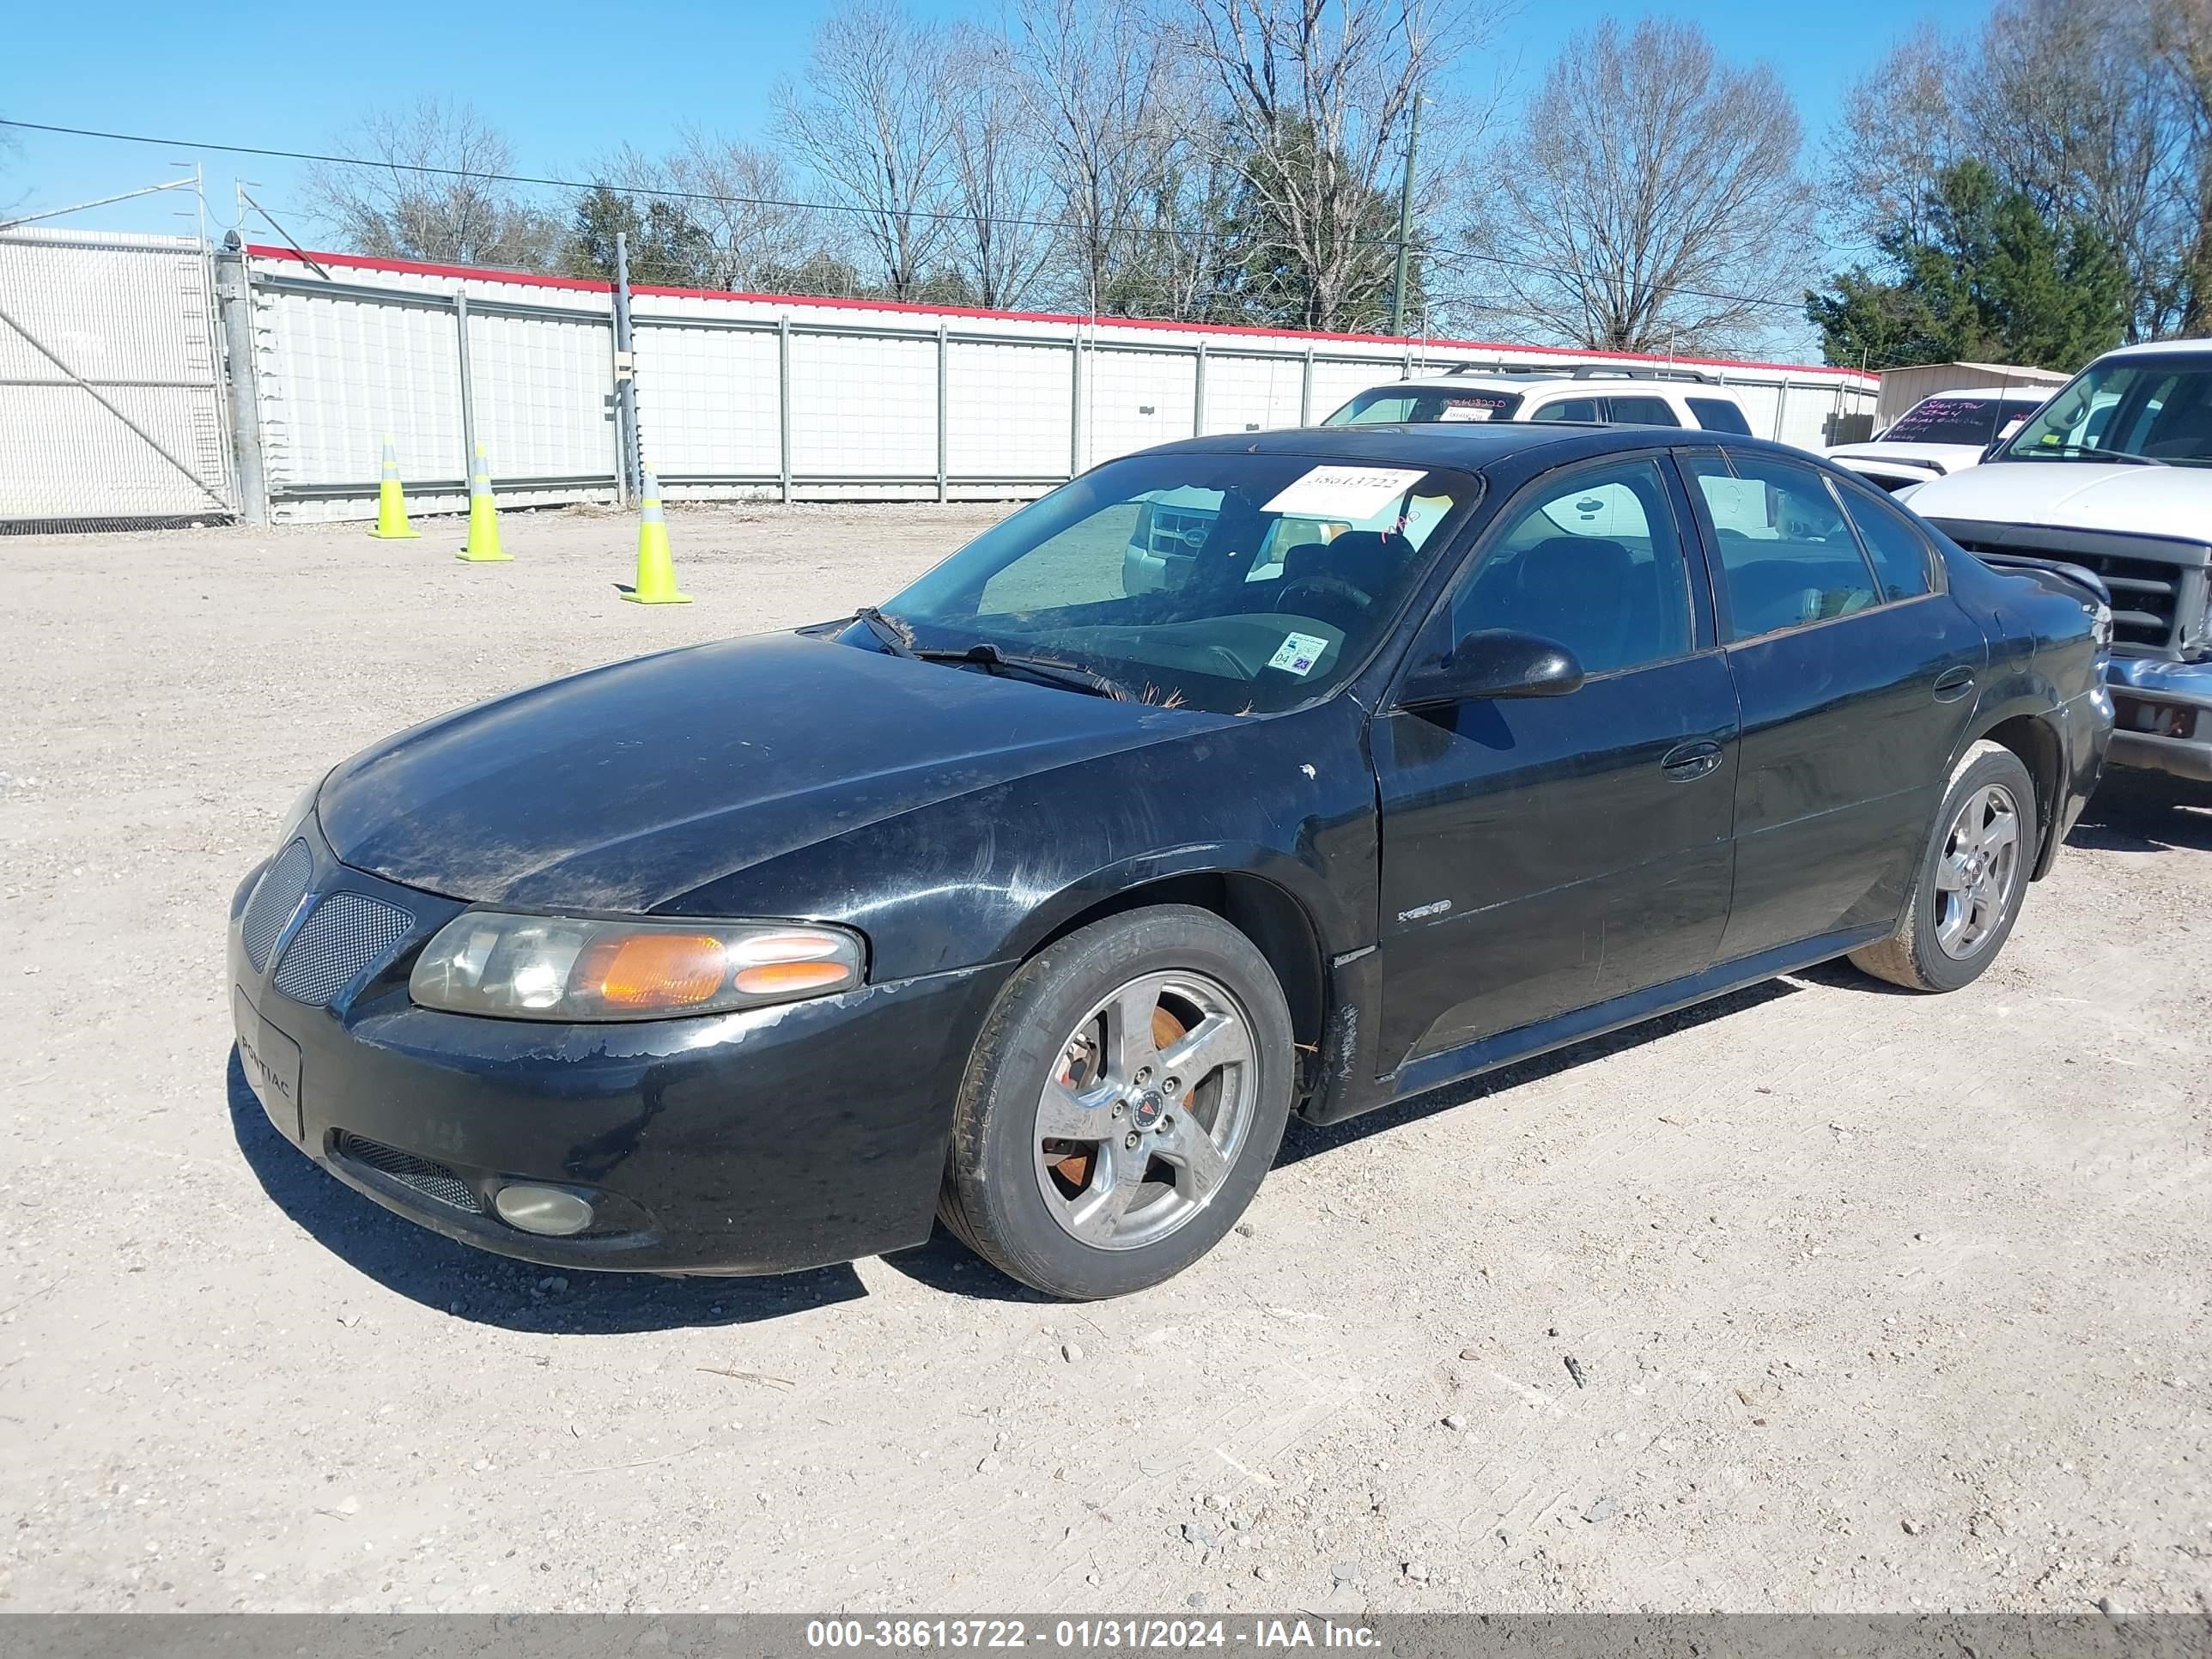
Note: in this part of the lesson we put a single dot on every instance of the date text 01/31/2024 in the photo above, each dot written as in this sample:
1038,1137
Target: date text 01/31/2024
1086,1635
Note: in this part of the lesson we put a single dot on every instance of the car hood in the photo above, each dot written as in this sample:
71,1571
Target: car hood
626,787
1948,458
2143,501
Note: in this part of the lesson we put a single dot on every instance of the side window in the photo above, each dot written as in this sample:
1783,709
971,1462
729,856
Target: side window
1786,552
1720,415
1571,409
1592,561
1641,411
1900,553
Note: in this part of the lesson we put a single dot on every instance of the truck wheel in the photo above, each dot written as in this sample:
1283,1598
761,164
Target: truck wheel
1123,1103
1971,881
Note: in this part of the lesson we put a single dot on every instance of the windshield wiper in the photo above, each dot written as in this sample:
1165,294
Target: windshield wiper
894,637
986,656
2120,455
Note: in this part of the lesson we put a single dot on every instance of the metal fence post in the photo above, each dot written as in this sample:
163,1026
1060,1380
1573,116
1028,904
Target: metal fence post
468,390
1198,395
940,411
783,401
1075,406
633,462
1306,390
236,303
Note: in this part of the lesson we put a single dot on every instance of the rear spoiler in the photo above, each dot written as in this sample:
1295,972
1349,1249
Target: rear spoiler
2073,573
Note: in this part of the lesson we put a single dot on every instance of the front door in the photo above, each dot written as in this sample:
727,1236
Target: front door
1543,854
1856,674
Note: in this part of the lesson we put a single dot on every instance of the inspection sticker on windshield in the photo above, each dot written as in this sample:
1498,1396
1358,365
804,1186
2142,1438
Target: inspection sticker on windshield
1299,652
1356,493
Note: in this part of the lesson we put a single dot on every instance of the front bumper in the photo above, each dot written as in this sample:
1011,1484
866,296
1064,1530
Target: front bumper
2164,715
762,1141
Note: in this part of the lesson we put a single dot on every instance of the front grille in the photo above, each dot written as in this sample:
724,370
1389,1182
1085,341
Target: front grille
276,897
431,1179
344,935
2146,592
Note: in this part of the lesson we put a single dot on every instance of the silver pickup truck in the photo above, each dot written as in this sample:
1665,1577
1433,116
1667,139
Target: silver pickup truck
2114,474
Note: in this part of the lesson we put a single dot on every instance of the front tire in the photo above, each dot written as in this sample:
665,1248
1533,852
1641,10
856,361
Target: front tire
1971,878
1123,1102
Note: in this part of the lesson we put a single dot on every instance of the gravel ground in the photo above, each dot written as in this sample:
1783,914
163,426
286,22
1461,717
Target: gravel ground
1821,1297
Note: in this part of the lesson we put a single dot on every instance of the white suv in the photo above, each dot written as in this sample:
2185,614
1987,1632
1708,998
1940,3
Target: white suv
1603,396
1939,435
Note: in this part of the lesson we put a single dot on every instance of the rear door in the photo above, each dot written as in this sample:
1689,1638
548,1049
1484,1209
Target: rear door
1855,676
1541,855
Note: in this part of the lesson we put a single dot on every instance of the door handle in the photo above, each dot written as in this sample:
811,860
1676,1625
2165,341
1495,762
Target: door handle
1685,761
1954,683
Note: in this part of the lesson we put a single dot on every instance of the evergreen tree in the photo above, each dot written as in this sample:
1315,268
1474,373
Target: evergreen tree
667,248
1986,278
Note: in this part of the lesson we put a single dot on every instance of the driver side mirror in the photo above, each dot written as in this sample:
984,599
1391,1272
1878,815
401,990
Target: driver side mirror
1496,662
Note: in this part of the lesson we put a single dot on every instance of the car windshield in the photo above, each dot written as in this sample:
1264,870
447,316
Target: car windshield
1961,420
1389,405
2129,408
1239,583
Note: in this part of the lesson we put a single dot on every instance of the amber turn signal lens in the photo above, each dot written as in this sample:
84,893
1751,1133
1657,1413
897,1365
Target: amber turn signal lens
652,971
769,979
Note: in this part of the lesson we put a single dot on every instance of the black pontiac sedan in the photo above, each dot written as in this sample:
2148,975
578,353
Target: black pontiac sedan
1294,772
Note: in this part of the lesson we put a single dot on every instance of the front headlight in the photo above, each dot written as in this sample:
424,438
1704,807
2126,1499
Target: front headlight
516,966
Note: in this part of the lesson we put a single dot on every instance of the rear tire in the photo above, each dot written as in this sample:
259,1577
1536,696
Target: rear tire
1973,877
1159,1045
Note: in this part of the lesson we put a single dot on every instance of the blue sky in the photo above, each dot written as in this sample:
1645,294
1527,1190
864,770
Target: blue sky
567,82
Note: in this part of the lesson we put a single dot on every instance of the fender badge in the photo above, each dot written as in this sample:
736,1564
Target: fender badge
1423,912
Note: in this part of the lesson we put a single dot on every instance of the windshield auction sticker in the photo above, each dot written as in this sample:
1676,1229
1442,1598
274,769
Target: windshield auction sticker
1298,654
1356,493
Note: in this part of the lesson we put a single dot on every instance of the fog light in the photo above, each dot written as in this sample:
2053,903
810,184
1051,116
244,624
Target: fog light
546,1209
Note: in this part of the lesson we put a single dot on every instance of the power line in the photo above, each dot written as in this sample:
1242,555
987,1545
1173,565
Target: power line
1434,256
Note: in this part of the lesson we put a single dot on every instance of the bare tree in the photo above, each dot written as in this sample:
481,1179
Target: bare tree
2184,39
1002,237
429,188
741,199
1102,90
1315,96
1652,201
1901,126
2075,104
872,120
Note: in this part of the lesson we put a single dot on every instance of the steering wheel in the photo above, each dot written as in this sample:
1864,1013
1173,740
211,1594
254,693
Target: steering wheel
1325,598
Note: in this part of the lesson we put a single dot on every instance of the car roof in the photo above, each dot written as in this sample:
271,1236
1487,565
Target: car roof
2040,393
2163,349
1526,383
1472,446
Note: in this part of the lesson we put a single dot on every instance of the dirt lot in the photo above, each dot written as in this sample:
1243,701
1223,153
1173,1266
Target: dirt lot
1878,1302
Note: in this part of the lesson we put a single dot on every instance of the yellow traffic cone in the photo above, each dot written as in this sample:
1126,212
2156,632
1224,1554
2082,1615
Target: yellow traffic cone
656,570
391,505
483,546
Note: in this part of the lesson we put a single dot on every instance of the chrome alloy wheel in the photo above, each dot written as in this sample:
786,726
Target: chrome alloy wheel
1977,873
1147,1113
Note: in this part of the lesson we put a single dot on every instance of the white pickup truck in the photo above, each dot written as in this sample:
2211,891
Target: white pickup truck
2114,474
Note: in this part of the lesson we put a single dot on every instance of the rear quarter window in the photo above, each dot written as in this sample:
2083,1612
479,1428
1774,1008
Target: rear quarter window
1901,555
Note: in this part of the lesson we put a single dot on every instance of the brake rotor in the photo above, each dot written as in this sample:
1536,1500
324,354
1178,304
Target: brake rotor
1078,1166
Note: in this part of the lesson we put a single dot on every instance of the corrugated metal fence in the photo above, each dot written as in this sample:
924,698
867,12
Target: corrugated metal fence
744,396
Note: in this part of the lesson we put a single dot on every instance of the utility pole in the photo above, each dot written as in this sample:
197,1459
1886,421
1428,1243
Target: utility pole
631,472
1406,220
